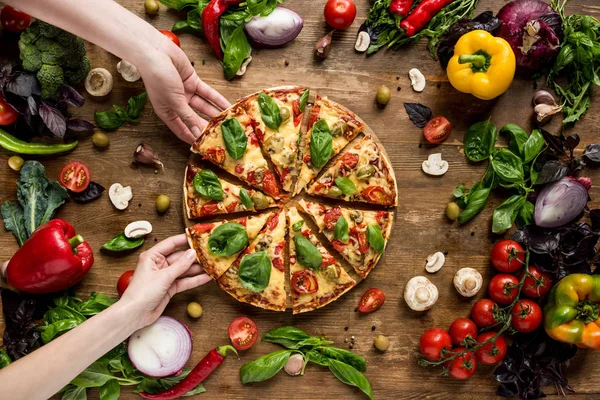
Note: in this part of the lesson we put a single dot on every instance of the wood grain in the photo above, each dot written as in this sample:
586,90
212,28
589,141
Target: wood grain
420,227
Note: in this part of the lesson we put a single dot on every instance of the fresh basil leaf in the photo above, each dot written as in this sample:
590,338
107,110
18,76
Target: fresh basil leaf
298,225
313,342
207,184
345,356
237,49
317,358
287,336
95,375
304,100
375,238
135,105
321,144
74,393
261,7
340,232
4,359
14,221
477,199
110,390
108,120
255,271
246,199
479,141
122,243
507,166
228,239
308,255
525,214
264,367
346,185
234,137
156,385
194,20
419,114
350,376
518,137
533,146
96,303
92,192
197,390
506,213
179,4
270,112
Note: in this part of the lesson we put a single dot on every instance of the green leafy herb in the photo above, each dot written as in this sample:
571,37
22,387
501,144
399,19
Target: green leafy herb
340,232
74,393
287,336
518,137
321,144
533,146
228,239
110,120
298,225
346,185
525,216
344,356
308,254
477,199
375,238
255,271
507,166
261,7
234,137
350,376
506,213
179,4
207,184
194,20
4,359
304,100
270,112
111,390
237,49
264,367
246,199
122,243
479,141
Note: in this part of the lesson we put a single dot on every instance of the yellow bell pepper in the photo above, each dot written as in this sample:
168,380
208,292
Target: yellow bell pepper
483,65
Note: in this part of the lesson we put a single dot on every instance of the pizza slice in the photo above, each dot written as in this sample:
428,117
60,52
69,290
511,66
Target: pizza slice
229,141
360,236
218,244
277,118
257,276
206,194
316,278
362,173
330,128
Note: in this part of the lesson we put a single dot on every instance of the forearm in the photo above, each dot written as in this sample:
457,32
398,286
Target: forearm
44,372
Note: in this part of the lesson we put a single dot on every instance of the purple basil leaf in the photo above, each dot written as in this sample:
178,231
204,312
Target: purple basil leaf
556,143
32,106
17,102
92,192
572,141
24,84
592,153
552,171
419,114
54,120
595,217
71,96
79,125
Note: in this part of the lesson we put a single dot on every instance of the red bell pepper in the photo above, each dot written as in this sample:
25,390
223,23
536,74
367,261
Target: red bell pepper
52,259
210,22
401,7
421,15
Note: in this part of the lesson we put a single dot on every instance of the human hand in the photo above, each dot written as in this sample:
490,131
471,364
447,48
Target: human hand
175,91
162,272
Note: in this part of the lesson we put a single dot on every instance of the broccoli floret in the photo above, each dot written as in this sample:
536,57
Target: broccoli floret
51,79
74,76
66,39
49,31
31,57
30,34
75,54
54,54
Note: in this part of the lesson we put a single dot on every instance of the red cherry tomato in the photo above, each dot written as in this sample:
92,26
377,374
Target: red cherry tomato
123,281
339,14
243,333
74,176
503,288
491,353
507,256
537,284
482,313
173,37
461,329
526,316
14,20
371,301
8,115
330,218
462,367
377,195
304,282
437,130
269,184
433,341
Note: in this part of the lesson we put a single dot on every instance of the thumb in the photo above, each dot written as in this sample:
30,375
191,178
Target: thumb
181,265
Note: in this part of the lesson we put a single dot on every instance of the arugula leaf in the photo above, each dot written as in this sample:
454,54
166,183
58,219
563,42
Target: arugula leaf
255,271
264,367
350,376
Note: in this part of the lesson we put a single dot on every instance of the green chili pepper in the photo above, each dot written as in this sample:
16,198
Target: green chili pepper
11,143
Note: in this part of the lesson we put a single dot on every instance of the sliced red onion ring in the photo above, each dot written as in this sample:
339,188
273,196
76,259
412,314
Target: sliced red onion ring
276,29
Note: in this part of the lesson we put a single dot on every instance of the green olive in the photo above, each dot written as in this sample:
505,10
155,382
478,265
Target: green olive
163,202
100,140
365,172
285,114
452,211
151,7
260,201
194,310
332,272
15,163
383,95
339,128
335,192
381,343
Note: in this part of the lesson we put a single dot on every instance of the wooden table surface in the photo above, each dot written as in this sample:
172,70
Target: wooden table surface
420,228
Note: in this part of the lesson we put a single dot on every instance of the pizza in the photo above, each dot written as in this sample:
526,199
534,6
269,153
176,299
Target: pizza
360,239
206,194
277,117
257,276
315,281
330,128
229,141
361,173
205,238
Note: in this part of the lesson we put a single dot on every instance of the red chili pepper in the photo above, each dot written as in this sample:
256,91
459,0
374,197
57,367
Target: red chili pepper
54,258
201,371
401,7
422,14
210,22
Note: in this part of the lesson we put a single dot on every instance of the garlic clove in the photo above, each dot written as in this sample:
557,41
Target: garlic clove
417,80
120,196
434,165
435,262
138,229
144,154
295,364
99,82
323,45
543,97
128,71
544,112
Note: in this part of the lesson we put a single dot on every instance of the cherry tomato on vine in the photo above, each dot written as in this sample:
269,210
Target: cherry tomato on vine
123,281
74,176
371,301
8,115
503,288
14,20
462,367
507,256
537,284
304,282
243,333
433,341
482,313
339,14
526,316
461,329
173,37
437,130
493,352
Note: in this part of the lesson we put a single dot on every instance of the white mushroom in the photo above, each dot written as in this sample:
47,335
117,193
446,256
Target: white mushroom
138,229
434,165
435,262
99,82
363,40
468,281
420,294
120,195
244,66
128,71
417,80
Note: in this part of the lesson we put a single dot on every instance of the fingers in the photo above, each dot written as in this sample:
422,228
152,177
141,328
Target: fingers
191,282
180,266
194,270
170,244
210,94
190,119
181,131
203,106
171,258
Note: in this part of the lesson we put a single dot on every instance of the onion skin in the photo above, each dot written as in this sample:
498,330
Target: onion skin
276,29
559,203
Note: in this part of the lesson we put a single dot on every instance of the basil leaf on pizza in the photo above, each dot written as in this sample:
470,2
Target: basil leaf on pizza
246,199
375,238
304,100
321,144
307,254
228,239
346,185
207,184
340,232
234,138
255,271
270,112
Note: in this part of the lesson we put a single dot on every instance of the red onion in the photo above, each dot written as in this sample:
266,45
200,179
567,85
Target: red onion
276,29
533,30
559,203
160,349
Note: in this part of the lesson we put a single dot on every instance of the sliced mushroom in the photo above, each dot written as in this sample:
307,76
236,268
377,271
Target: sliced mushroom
120,195
435,262
420,294
468,281
128,71
99,82
138,229
417,80
363,40
244,66
434,165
